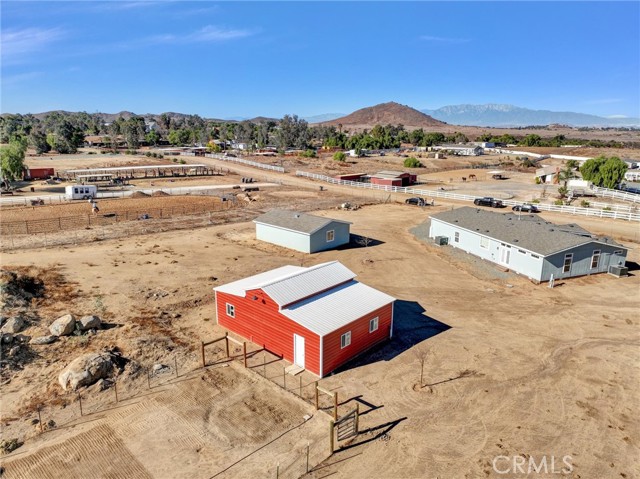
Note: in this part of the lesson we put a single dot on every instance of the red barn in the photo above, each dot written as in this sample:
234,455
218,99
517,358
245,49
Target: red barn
317,318
38,173
393,178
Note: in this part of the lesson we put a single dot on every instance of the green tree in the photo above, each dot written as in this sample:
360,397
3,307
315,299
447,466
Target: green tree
339,156
153,137
12,159
531,140
38,140
412,162
603,171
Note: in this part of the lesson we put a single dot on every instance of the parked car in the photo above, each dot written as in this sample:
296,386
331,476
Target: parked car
526,208
488,201
416,201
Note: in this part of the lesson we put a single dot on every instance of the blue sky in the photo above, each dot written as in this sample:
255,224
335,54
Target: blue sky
244,59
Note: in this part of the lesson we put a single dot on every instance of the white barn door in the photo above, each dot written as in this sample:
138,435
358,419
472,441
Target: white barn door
298,350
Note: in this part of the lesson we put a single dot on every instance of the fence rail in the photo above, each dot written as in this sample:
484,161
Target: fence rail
619,195
255,164
574,210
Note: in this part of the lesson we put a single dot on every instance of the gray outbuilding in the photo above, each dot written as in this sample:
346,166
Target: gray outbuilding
301,231
528,245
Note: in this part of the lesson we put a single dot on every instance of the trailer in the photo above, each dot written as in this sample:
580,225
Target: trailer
81,192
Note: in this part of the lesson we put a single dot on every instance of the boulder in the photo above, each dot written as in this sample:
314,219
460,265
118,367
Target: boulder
7,338
89,322
44,340
22,338
86,370
63,326
13,325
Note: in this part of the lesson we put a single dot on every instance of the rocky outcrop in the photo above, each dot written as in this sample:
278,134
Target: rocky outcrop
86,370
63,326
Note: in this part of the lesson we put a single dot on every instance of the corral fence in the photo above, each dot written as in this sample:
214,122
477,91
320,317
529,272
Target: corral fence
619,195
574,210
242,161
65,223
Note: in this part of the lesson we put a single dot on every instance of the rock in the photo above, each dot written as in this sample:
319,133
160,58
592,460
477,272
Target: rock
22,338
13,325
63,326
7,338
86,370
43,340
89,322
160,368
14,351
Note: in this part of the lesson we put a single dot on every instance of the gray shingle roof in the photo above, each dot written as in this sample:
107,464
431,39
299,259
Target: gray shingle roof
295,221
529,232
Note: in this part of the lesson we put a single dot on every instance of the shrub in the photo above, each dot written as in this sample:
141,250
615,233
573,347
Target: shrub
538,180
160,155
412,162
154,154
584,203
558,202
339,156
606,208
536,201
175,160
308,154
183,162
148,154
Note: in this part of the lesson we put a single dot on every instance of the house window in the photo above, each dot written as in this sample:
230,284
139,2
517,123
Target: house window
484,242
330,235
595,259
568,259
535,256
373,325
456,237
345,340
522,251
231,310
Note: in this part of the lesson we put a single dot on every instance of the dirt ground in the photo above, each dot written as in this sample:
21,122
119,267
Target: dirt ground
510,368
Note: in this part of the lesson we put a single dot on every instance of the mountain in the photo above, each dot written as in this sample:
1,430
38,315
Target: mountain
387,113
509,115
323,117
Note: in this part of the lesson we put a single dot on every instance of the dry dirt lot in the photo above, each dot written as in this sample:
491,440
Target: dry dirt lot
510,368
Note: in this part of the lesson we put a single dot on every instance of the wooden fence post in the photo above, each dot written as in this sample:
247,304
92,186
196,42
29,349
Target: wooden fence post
175,361
244,352
226,341
306,471
40,420
80,402
115,390
284,378
335,406
264,364
202,353
315,388
331,434
300,386
149,377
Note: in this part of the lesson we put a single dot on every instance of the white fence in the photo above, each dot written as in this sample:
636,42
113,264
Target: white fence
255,164
574,210
619,195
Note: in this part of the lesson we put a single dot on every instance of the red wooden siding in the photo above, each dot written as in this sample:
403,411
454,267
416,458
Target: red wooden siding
361,339
260,322
387,181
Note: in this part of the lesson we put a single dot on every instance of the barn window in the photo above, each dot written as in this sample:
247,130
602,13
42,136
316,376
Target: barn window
456,237
345,340
522,251
231,310
330,235
534,256
595,259
568,259
484,242
373,325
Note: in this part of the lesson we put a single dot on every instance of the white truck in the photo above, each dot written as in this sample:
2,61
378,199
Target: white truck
81,192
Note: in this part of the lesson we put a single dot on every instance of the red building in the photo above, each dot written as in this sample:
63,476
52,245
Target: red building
393,178
317,318
38,173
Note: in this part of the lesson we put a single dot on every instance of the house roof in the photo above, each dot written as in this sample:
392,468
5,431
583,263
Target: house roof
547,170
321,298
295,221
541,237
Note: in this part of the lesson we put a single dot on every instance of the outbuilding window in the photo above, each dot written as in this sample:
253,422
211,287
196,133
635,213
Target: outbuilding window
331,234
231,310
373,324
345,340
456,237
595,259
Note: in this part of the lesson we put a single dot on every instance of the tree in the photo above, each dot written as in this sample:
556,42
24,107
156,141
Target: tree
293,132
573,164
179,137
603,171
153,137
531,140
133,130
412,162
339,156
12,159
38,140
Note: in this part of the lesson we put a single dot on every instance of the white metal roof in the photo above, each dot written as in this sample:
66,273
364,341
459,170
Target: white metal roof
240,287
337,307
301,284
142,167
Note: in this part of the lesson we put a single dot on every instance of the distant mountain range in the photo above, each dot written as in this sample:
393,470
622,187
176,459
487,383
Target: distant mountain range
509,116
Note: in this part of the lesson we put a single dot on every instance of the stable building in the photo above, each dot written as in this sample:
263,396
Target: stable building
301,231
318,318
393,178
528,245
461,150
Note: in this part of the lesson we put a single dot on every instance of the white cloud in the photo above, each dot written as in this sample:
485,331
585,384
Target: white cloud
19,42
208,34
434,39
